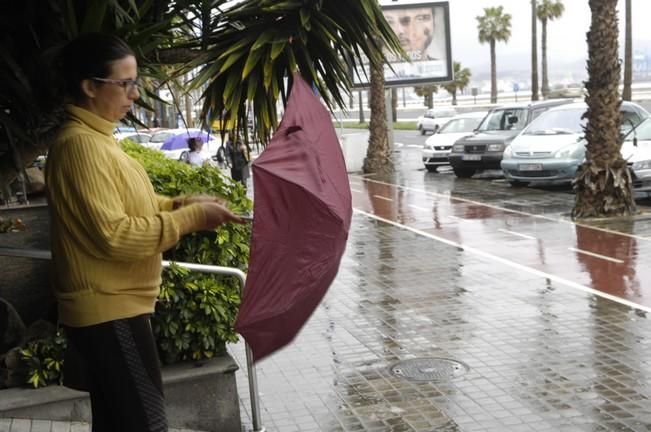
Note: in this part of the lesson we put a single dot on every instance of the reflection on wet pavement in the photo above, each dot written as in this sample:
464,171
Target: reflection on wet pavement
542,355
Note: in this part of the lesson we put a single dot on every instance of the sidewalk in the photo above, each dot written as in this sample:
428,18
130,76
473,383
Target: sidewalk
21,425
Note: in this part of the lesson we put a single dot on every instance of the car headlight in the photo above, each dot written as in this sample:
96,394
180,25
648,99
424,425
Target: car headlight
508,152
642,165
569,152
495,147
427,147
457,148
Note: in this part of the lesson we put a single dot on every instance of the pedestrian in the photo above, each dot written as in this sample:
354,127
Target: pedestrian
238,157
195,144
108,230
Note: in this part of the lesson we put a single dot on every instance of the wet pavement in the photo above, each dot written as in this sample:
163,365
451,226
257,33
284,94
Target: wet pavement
547,318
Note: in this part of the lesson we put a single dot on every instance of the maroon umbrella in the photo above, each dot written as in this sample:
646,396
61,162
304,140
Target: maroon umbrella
302,208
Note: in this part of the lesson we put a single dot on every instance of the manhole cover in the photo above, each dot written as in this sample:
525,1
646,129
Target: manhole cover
429,369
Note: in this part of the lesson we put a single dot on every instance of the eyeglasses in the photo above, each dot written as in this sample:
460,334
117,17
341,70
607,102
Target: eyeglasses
127,84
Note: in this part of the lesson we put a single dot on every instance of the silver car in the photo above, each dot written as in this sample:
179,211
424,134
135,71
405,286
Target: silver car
552,147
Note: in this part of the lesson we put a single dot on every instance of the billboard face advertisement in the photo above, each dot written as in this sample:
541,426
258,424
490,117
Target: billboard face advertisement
424,33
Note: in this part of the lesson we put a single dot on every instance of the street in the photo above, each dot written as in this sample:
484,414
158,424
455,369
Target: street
469,305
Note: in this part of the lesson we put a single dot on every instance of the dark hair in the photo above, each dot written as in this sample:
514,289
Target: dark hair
90,55
193,142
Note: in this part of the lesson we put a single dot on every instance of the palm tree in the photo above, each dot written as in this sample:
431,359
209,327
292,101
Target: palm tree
603,184
427,93
246,52
378,155
534,52
460,82
628,53
547,10
494,26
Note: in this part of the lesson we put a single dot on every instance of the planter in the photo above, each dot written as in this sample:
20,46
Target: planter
354,147
197,397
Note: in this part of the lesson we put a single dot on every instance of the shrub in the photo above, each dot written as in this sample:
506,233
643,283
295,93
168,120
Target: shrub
196,312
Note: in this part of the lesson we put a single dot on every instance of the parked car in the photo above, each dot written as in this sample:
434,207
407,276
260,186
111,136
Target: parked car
552,147
636,149
137,137
484,149
175,145
438,146
433,119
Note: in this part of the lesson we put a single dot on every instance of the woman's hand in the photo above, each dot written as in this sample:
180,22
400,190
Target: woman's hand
217,214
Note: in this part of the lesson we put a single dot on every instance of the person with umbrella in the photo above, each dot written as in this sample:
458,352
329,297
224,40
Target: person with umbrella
108,230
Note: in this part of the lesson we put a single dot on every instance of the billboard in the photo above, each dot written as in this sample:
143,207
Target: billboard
424,33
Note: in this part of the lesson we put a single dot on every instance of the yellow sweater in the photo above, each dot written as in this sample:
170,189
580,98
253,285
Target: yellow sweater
108,226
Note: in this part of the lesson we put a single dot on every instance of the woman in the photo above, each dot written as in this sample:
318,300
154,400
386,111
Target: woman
195,144
108,231
238,157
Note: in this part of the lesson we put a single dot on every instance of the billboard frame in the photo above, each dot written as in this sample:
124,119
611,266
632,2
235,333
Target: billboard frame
407,82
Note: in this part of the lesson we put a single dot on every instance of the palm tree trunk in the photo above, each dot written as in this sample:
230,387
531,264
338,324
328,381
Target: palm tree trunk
394,104
361,106
454,97
493,74
628,54
603,185
378,156
545,71
534,52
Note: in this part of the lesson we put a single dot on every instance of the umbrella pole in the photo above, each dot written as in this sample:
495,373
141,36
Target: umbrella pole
228,271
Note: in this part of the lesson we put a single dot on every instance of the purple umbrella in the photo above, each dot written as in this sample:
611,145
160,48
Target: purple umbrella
180,141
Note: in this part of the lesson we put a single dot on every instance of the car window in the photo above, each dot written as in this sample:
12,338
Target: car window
161,137
567,121
630,119
445,113
642,132
460,125
499,120
139,138
536,113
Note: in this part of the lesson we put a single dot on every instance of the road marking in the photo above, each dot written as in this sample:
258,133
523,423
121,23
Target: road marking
452,197
509,263
528,237
414,146
356,190
592,254
419,208
381,197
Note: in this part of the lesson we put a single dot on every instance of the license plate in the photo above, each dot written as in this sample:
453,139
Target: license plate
530,167
471,157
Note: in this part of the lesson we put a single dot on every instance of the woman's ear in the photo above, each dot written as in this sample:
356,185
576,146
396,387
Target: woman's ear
89,88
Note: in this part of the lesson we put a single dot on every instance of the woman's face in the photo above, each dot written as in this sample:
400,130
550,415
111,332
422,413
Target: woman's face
112,99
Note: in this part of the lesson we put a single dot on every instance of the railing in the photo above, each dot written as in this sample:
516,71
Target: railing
226,271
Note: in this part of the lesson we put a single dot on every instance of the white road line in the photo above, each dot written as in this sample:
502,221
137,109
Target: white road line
420,208
510,263
449,196
528,237
356,190
455,217
592,254
381,197
414,146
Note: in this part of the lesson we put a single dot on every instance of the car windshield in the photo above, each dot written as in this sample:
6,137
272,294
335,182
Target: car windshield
567,121
504,119
444,113
461,125
642,132
161,136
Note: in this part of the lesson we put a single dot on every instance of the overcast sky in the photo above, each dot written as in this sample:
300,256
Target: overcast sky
566,36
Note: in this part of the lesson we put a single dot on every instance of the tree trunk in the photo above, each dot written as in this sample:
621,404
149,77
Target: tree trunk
454,97
534,52
545,71
493,74
378,157
429,100
361,107
394,104
603,185
628,54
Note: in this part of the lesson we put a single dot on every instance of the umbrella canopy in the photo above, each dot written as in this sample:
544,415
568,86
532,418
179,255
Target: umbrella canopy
180,141
302,208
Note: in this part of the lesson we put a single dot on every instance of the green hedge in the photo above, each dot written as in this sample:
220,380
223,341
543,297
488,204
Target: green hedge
196,312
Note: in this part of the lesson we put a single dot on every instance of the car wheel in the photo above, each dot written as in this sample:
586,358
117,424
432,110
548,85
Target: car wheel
184,157
518,183
422,131
464,172
431,168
